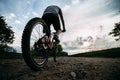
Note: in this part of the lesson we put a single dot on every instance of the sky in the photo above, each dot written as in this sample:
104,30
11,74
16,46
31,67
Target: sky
88,22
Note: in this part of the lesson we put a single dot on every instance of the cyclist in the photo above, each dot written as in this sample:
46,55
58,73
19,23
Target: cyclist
53,15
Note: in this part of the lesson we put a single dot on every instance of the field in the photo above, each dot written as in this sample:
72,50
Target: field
99,65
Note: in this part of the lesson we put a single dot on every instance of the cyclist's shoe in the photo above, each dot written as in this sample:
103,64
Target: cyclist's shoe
56,38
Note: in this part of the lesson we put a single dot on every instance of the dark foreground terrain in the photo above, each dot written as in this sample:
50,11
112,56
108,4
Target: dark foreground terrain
67,68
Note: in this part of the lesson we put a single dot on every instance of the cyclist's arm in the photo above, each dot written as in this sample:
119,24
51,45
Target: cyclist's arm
62,20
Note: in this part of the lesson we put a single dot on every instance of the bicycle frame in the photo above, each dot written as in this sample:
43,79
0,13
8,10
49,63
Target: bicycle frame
50,40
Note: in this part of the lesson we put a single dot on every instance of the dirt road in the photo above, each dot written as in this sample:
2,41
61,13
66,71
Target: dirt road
67,68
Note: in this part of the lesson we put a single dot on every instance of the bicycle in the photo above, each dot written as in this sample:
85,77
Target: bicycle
37,42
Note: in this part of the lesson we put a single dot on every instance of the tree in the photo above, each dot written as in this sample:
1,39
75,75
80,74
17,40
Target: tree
116,31
6,34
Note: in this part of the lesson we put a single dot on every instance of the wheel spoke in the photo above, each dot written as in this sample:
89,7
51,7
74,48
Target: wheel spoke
37,31
34,35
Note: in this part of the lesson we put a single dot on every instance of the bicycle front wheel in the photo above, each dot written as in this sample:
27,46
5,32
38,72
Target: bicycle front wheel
34,50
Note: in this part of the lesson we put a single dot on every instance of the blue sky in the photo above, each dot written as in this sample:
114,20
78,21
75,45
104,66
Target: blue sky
83,18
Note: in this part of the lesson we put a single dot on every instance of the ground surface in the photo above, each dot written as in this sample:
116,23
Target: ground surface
67,68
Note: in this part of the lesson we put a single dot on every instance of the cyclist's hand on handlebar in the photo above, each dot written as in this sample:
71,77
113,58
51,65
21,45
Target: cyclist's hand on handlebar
63,30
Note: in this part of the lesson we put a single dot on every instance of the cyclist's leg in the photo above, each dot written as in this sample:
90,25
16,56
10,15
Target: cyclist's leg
47,20
56,25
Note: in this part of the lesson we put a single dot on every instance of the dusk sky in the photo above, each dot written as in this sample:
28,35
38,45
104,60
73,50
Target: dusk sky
83,18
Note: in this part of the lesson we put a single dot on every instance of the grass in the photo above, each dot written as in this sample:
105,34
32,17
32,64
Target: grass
114,52
10,55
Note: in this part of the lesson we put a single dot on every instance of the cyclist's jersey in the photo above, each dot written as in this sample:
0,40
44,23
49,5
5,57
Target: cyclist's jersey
52,10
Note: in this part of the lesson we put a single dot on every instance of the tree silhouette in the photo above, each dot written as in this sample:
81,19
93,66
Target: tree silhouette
6,34
116,31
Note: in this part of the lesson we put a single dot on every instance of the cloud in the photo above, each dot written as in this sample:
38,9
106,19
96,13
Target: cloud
66,7
10,16
85,19
35,14
74,2
86,15
28,2
25,16
82,17
18,22
17,41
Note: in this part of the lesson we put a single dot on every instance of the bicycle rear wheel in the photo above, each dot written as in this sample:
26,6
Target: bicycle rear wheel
34,51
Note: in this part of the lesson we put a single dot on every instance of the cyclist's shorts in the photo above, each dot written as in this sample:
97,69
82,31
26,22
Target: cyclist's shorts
50,18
